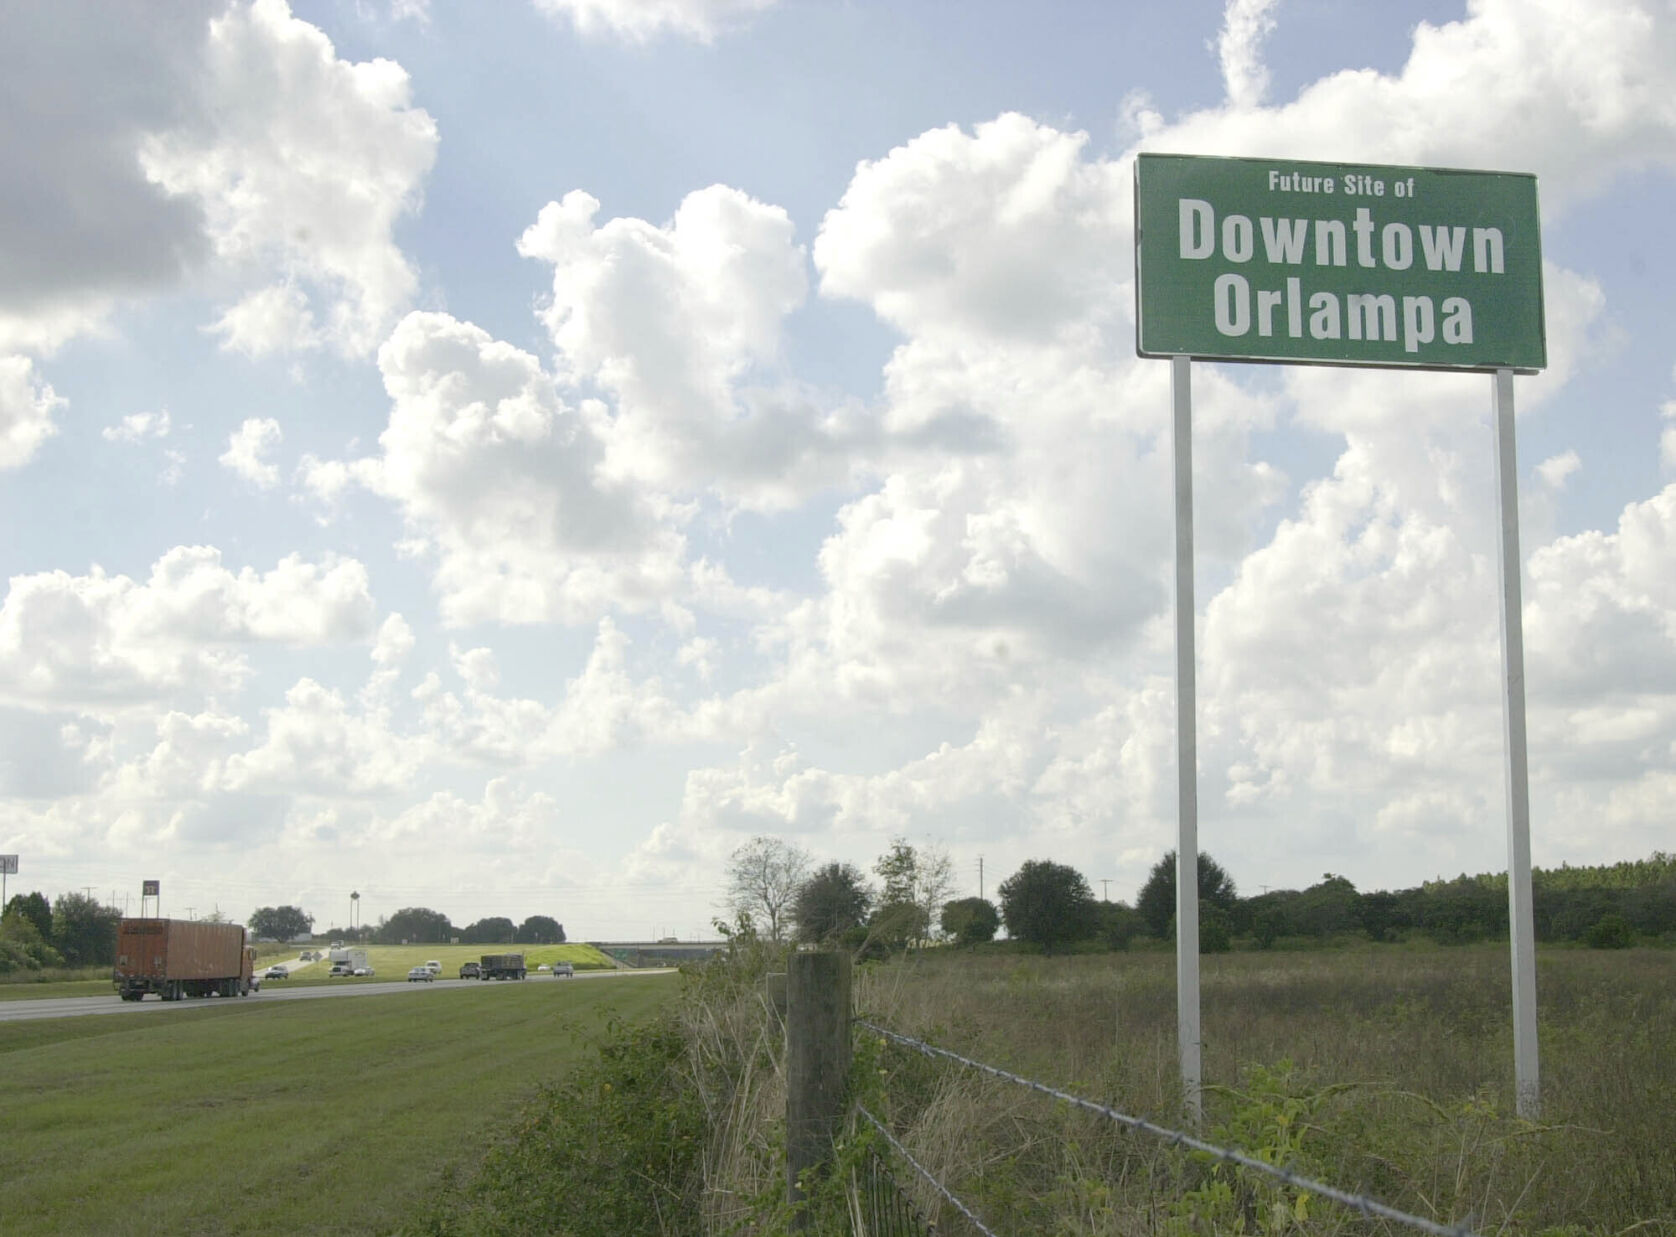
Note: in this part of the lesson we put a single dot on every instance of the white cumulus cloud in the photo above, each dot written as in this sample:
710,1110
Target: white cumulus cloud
246,448
640,20
100,641
27,408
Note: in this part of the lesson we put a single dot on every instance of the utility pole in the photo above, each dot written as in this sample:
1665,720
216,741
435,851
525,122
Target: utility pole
1105,890
980,877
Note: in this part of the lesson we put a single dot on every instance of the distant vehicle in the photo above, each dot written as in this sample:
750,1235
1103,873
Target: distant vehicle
178,958
351,958
337,945
421,974
563,970
276,972
469,970
434,967
543,967
501,966
362,972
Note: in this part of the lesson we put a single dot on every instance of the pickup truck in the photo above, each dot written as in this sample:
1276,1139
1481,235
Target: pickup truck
470,970
563,970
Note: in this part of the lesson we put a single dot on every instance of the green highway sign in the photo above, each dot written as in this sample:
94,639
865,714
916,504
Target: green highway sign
1337,264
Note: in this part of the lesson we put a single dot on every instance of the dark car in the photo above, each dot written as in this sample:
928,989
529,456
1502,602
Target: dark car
276,972
471,970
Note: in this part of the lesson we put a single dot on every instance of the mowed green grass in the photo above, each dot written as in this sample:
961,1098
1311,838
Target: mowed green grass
308,1117
25,991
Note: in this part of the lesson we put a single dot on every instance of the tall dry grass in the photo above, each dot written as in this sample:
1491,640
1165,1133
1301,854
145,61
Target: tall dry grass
1399,1084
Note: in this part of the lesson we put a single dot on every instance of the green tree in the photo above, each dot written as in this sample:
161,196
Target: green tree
1216,930
540,930
495,930
763,877
1047,904
35,908
84,931
280,923
916,883
22,946
1157,900
1327,909
970,920
417,925
1117,923
896,925
832,901
1379,915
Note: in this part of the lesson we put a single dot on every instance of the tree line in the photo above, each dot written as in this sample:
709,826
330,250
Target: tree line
777,889
73,930
413,925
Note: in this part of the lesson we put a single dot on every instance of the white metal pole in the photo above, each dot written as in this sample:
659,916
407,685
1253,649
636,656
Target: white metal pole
1521,920
1187,760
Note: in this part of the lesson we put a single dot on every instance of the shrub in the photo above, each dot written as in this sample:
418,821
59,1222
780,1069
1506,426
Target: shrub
1611,932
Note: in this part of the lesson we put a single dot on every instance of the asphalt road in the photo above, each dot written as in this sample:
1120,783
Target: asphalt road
272,990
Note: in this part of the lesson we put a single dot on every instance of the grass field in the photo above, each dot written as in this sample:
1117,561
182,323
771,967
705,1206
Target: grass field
1381,1068
313,1117
58,987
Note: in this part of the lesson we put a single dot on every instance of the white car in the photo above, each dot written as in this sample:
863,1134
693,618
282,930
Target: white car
434,967
563,970
362,972
421,974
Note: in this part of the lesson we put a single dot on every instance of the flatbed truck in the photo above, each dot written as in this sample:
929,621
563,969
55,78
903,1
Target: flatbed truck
501,966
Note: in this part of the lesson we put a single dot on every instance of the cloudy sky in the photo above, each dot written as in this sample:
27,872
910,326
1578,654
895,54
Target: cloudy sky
501,458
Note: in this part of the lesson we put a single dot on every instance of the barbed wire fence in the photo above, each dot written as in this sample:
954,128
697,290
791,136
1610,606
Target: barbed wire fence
820,1028
1368,1208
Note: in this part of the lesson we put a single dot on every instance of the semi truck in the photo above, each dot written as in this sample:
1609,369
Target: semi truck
178,958
501,966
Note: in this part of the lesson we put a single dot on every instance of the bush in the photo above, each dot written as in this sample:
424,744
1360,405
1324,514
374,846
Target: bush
1611,932
1215,931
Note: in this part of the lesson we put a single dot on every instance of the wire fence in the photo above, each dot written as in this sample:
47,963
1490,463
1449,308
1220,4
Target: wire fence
1367,1207
882,1205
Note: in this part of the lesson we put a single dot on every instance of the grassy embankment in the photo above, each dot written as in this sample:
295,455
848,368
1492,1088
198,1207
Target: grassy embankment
1381,1069
312,1117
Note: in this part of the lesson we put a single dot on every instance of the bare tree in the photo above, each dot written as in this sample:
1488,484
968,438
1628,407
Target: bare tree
763,877
936,880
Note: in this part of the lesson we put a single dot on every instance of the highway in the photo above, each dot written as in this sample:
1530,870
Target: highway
272,991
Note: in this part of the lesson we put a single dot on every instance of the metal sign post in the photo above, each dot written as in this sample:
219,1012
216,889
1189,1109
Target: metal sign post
1293,261
1520,918
1187,758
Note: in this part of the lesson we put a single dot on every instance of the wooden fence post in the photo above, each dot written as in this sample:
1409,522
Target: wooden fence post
817,1061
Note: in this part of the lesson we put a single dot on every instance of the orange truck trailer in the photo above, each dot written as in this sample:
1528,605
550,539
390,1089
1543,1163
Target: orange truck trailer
177,958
